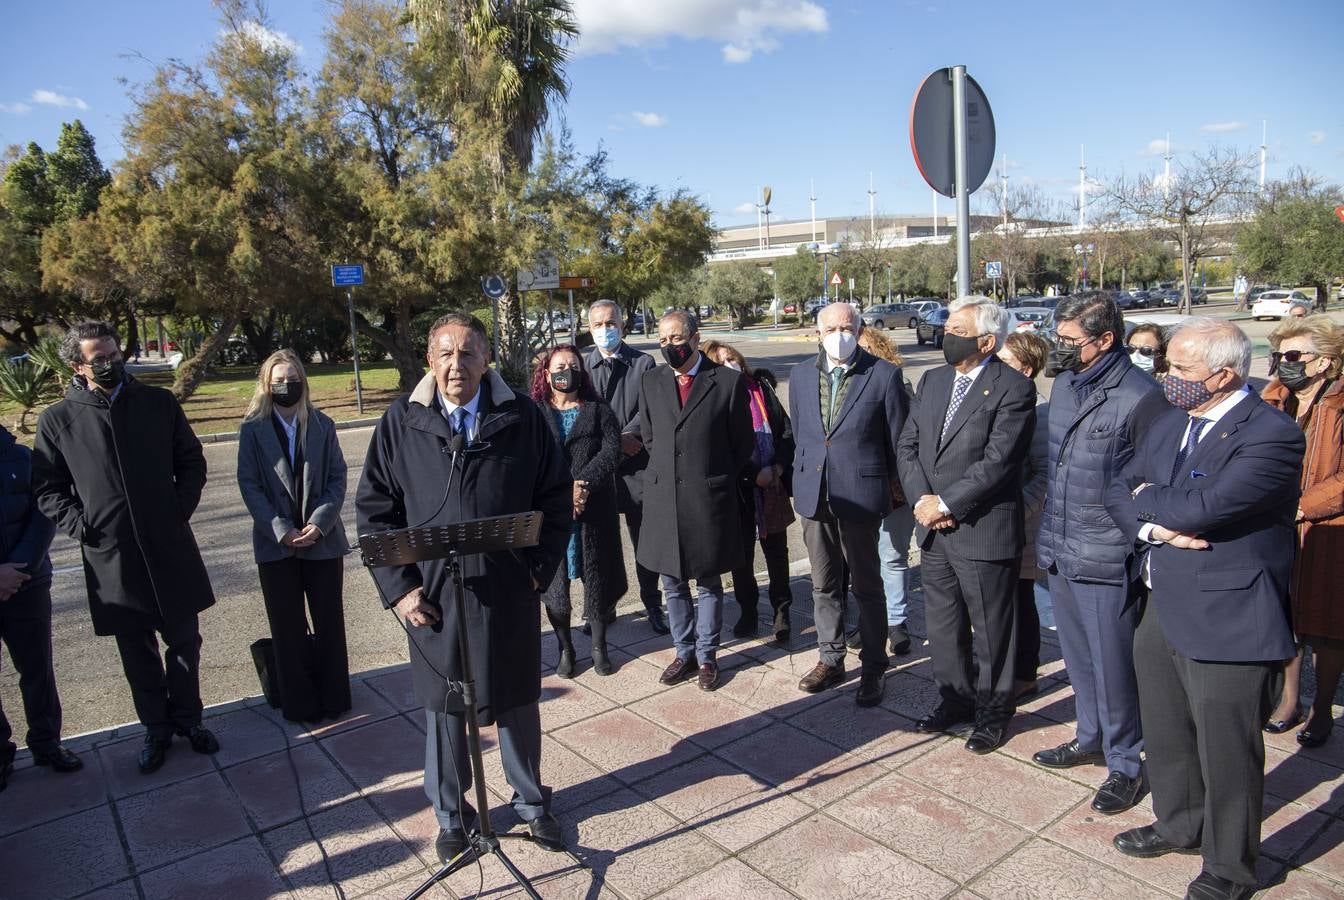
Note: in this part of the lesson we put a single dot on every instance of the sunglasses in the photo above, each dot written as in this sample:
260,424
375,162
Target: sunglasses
1291,356
1144,351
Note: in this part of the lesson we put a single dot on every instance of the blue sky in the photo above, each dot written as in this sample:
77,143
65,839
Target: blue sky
720,96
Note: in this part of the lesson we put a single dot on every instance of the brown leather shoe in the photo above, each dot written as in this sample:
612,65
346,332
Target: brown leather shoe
679,671
822,677
709,676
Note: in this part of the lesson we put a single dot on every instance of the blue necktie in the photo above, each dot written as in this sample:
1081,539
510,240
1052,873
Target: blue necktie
1191,441
458,417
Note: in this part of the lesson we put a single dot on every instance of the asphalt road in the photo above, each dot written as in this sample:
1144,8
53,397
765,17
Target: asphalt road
93,689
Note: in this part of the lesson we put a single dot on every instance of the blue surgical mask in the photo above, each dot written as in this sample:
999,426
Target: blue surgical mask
606,337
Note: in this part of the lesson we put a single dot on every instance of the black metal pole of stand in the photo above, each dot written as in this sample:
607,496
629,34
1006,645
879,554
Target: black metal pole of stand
483,841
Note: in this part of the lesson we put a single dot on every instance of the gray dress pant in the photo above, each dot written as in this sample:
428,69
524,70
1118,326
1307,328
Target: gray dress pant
831,545
1206,754
448,766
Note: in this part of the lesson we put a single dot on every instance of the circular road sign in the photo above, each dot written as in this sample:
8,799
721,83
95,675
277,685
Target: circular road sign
493,286
931,127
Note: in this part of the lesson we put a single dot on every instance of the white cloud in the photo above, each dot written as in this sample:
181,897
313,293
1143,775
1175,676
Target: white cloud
1316,137
745,26
1156,147
51,98
650,119
18,108
744,208
271,41
1222,127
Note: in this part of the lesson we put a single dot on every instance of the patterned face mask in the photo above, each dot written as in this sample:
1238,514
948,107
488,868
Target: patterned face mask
1184,394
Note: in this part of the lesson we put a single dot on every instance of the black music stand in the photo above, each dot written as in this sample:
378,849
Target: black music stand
452,542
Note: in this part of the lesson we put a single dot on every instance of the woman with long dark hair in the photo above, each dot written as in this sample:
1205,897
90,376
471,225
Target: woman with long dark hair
587,430
292,477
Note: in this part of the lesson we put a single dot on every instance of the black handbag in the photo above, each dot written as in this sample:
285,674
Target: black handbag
263,657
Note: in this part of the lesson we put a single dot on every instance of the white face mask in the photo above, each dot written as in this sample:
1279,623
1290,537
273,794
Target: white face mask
607,337
840,345
732,364
1143,362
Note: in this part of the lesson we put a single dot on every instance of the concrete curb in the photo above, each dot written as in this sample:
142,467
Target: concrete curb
225,437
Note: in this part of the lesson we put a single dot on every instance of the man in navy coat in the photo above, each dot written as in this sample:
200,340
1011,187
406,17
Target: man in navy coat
1209,499
848,409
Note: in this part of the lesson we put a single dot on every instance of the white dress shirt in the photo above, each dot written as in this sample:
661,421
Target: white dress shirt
973,374
291,433
470,425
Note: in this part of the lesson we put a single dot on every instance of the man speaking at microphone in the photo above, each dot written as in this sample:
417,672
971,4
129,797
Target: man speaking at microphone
508,463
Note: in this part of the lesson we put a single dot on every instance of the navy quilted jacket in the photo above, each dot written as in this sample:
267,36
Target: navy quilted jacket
25,534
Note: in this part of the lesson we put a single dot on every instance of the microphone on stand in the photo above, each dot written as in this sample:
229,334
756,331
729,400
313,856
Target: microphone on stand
456,447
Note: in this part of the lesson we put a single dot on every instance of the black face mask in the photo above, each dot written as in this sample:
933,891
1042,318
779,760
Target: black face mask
285,394
957,349
1067,359
566,381
108,374
677,354
1294,375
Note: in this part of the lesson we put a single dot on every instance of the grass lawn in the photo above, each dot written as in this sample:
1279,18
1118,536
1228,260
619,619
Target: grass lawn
220,401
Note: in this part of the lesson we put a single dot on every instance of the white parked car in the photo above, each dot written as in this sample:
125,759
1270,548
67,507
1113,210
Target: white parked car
1274,304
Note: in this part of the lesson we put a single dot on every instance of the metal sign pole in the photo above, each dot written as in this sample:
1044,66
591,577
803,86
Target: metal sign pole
354,349
963,179
573,322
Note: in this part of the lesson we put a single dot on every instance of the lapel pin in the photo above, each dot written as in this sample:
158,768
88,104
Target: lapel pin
986,392
1224,434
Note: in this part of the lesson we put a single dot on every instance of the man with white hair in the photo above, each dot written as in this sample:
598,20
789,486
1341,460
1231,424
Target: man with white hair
848,409
961,460
1209,500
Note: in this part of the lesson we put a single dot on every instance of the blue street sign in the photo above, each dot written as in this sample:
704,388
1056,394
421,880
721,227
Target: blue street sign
993,270
494,286
347,276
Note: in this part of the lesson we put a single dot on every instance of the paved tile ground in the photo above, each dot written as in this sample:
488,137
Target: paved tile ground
753,791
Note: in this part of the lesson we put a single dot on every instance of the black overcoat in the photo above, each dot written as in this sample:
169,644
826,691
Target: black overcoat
593,449
123,479
616,379
698,457
512,465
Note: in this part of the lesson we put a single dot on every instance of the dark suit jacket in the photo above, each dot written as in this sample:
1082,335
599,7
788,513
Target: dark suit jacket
977,468
1239,491
698,457
617,381
856,463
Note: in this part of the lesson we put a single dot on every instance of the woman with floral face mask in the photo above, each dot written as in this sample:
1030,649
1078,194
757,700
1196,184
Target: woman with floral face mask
590,436
1306,368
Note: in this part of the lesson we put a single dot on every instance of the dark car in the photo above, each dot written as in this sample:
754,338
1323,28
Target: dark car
1015,302
636,324
1139,299
1173,297
885,315
1039,302
930,327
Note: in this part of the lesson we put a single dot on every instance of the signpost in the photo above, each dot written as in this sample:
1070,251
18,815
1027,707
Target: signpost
493,286
952,138
348,277
994,271
572,283
836,281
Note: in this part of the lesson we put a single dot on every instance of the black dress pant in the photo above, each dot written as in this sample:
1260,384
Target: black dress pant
775,549
1028,657
25,628
1205,751
313,674
965,600
166,690
648,580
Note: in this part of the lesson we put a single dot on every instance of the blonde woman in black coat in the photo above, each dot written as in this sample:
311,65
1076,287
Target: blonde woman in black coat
588,432
292,477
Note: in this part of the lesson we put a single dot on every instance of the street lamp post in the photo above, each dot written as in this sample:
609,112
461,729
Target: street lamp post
1083,250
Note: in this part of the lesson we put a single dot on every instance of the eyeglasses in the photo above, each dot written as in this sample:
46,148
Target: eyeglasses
1144,351
1072,342
1291,356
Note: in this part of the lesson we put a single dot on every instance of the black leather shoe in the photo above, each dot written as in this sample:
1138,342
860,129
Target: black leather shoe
1117,793
602,662
1145,843
943,718
985,738
854,640
899,638
1315,735
59,758
564,666
202,739
658,622
153,754
1279,726
450,844
781,627
1066,756
871,689
1212,887
747,626
708,678
546,832
821,677
680,670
